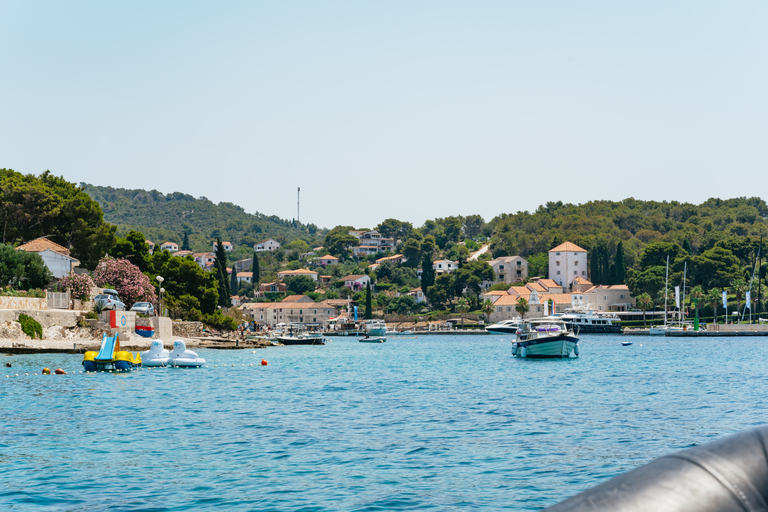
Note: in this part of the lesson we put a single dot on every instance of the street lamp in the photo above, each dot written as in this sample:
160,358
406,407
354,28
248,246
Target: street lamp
160,282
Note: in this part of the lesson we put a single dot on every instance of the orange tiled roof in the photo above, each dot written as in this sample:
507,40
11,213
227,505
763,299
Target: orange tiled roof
549,283
329,257
536,286
558,298
567,247
507,300
41,244
581,280
519,291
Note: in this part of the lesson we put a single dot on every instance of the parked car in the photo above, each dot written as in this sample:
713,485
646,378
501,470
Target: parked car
145,308
109,300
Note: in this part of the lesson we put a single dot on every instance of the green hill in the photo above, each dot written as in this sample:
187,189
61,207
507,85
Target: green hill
168,217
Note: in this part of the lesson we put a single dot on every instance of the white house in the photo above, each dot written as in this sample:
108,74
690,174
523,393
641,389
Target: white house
228,247
151,245
356,282
328,260
299,272
604,298
244,276
509,269
567,261
267,245
55,256
169,246
441,267
204,259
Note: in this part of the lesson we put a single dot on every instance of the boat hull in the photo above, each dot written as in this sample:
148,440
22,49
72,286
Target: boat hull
561,346
502,330
376,339
594,329
287,340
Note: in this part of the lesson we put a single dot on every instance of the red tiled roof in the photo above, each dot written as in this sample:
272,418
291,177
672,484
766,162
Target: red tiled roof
567,247
41,244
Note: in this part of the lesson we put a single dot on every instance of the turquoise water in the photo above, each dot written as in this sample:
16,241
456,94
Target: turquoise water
438,422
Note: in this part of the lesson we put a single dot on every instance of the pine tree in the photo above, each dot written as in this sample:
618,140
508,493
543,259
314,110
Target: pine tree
185,243
225,292
687,247
368,309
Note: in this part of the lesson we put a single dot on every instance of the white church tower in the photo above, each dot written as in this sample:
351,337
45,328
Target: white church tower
567,261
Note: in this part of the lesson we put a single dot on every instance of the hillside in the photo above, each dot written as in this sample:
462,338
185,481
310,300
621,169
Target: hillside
163,218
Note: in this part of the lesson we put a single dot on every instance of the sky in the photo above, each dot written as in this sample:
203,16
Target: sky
411,110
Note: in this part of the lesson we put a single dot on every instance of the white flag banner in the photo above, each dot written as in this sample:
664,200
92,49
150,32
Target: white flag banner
677,297
725,299
749,300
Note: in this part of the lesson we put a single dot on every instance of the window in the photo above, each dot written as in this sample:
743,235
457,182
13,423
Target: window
557,254
575,273
501,267
583,272
622,295
509,308
576,262
519,272
605,297
557,263
518,263
558,272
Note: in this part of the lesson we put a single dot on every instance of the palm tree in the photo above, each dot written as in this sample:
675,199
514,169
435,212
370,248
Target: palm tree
696,294
463,306
644,302
522,307
713,298
739,287
487,308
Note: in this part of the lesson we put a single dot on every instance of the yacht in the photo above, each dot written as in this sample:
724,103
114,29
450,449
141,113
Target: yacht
375,327
545,337
504,327
591,322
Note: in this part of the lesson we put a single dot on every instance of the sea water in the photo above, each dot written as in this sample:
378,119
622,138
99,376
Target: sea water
426,423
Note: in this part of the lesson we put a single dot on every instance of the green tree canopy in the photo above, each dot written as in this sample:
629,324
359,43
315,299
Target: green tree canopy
22,270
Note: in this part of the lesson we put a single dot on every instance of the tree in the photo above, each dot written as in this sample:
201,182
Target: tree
78,285
427,273
368,309
185,244
713,298
300,284
255,270
649,281
473,225
620,267
471,276
463,306
183,277
338,241
22,270
739,287
443,291
696,294
644,302
220,263
126,278
522,307
233,284
487,308
716,267
134,248
412,251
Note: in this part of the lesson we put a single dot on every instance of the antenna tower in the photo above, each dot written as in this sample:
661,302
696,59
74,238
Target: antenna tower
298,205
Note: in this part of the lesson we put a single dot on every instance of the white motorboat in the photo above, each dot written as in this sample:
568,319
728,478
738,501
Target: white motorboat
373,339
545,337
504,327
157,355
591,322
375,327
183,358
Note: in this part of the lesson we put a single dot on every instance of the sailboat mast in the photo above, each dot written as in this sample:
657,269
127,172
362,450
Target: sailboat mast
666,291
682,304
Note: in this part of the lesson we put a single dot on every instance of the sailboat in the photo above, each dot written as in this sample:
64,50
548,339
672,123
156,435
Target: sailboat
662,330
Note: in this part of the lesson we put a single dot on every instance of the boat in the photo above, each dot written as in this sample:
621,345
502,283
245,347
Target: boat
545,337
157,355
110,357
591,322
183,358
399,333
626,343
504,326
297,334
375,327
374,339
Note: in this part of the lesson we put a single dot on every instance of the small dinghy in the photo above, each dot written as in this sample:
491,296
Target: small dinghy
626,343
157,355
183,358
374,339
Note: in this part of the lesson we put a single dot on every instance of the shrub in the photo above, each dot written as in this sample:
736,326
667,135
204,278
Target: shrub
219,321
126,278
30,326
91,315
79,286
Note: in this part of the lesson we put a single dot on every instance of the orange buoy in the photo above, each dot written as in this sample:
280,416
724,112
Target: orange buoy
46,371
263,362
59,371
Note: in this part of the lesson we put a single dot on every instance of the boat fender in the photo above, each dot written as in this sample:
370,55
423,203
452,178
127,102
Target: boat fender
59,371
725,475
576,349
523,352
264,362
514,349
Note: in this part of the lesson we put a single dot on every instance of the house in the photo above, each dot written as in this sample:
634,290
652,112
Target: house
236,300
243,265
328,260
151,245
56,257
266,245
311,314
567,261
297,298
228,247
244,277
396,258
169,246
441,267
273,287
364,250
509,269
326,280
356,282
204,259
183,253
282,275
418,294
581,284
604,298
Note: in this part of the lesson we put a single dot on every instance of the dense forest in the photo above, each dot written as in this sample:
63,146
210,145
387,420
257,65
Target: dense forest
169,217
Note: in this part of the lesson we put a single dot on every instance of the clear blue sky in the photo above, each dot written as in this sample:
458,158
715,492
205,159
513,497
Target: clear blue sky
410,109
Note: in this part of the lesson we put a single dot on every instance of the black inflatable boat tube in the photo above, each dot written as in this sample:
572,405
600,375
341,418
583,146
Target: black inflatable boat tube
727,475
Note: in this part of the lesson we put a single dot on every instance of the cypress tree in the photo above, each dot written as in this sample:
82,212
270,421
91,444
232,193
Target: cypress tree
620,267
427,272
221,263
185,243
605,270
255,269
233,284
687,247
594,265
368,309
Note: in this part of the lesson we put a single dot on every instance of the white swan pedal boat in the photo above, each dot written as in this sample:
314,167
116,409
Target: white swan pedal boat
157,355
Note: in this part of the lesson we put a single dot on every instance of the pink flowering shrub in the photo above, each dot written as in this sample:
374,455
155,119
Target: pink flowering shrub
126,278
79,286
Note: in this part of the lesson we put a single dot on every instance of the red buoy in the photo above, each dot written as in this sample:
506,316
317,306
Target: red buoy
59,371
263,362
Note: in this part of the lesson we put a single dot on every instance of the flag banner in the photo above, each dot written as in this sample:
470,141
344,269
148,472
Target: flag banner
677,297
355,313
725,299
749,300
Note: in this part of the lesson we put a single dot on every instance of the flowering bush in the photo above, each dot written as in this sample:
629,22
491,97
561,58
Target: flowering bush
126,279
79,286
9,291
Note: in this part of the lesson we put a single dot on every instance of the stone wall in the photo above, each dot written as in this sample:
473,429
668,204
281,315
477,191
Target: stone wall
188,329
47,318
26,303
